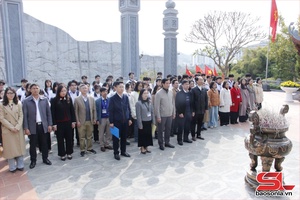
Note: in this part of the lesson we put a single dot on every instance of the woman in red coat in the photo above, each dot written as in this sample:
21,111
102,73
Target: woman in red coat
236,100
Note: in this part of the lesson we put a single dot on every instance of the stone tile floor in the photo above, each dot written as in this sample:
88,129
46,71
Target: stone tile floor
211,169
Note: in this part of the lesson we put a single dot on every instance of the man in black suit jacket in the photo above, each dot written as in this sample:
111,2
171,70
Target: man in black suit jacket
119,116
200,105
184,110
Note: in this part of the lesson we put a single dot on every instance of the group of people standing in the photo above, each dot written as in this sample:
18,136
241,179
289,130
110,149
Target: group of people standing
173,105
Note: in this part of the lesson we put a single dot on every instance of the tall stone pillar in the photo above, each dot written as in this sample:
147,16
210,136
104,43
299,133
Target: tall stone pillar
130,37
13,36
170,26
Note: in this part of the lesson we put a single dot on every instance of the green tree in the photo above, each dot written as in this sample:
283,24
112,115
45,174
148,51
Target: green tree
253,62
284,55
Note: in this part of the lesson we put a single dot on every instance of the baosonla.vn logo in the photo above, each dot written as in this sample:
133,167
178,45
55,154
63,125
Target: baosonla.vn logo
271,184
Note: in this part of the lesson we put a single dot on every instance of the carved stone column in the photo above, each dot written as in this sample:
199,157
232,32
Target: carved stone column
130,37
13,40
170,25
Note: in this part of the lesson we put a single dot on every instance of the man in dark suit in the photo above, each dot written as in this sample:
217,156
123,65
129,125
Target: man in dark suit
119,116
184,110
200,105
36,123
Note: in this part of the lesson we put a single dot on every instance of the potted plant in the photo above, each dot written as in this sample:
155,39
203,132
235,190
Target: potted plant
289,87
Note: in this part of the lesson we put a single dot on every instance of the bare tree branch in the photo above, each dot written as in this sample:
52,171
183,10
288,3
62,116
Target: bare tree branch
225,34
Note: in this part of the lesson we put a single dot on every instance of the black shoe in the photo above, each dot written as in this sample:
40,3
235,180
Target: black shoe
109,147
69,157
117,156
13,171
143,152
161,148
102,149
188,141
180,143
127,143
47,162
172,135
20,169
199,137
92,151
125,154
32,164
194,139
169,145
204,129
82,154
63,158
147,151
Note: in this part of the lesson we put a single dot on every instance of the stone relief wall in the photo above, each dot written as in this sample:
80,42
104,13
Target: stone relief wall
51,53
2,66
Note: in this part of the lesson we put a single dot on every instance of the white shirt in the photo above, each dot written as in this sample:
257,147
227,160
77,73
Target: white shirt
85,98
20,92
200,87
97,96
38,115
73,95
112,93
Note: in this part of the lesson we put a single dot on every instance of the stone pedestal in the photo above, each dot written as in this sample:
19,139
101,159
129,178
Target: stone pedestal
170,25
13,40
289,93
130,37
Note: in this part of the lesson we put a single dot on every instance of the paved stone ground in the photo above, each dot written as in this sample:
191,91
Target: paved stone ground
211,169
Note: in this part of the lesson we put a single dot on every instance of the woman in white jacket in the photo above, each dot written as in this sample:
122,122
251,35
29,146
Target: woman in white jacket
259,94
225,103
133,99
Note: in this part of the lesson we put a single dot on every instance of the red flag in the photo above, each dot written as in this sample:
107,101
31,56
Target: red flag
188,72
208,71
198,69
215,72
274,19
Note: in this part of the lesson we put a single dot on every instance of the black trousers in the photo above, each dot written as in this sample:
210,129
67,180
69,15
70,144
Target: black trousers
64,136
224,118
233,117
184,125
123,129
96,132
40,139
197,119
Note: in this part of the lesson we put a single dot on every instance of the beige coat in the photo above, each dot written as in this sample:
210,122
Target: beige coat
13,143
80,111
259,94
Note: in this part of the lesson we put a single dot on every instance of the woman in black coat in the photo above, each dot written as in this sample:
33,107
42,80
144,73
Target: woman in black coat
63,117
